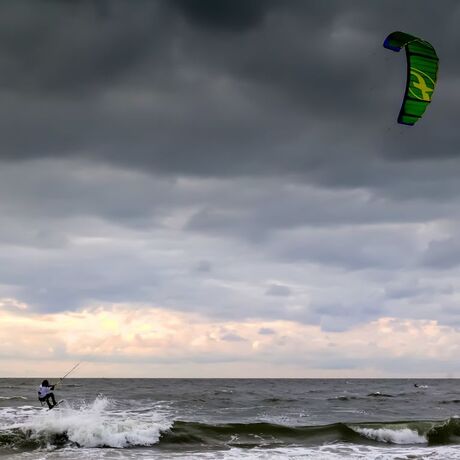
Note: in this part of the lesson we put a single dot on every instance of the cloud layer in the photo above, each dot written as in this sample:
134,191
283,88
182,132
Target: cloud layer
235,160
144,341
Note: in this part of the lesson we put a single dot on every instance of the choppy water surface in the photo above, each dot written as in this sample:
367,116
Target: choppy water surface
232,419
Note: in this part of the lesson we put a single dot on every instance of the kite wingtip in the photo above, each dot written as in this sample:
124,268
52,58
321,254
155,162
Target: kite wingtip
387,45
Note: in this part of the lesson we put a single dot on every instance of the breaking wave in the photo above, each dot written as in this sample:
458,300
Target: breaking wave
93,425
89,425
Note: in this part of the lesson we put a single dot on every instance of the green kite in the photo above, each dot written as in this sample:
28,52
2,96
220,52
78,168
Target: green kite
422,72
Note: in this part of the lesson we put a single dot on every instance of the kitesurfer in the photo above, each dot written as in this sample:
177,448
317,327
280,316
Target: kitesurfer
45,394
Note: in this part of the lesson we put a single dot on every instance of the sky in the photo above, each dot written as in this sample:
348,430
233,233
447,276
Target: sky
202,188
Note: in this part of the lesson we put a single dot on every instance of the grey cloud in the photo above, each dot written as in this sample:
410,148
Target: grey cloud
232,337
352,248
62,48
263,206
266,331
117,236
278,290
203,266
226,14
340,316
443,254
414,288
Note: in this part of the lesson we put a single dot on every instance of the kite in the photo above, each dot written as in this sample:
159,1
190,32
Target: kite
422,71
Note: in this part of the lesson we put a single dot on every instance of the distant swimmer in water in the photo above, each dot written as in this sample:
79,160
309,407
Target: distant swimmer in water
45,394
416,385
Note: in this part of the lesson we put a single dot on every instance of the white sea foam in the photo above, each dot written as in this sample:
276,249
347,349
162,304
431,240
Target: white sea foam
337,451
392,436
96,425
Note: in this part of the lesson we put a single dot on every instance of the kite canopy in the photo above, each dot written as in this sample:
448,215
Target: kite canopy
422,71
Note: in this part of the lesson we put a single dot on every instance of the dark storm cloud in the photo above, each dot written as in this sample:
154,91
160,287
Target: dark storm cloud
63,48
289,87
224,14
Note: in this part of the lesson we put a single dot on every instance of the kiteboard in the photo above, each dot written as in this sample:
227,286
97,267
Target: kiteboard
57,404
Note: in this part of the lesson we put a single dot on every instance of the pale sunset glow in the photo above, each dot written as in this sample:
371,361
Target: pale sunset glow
139,340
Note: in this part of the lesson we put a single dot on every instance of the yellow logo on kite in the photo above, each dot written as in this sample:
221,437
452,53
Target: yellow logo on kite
424,85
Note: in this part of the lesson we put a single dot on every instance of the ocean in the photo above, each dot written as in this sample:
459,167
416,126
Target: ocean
232,419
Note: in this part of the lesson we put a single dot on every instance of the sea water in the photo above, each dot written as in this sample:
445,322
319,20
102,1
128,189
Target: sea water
232,419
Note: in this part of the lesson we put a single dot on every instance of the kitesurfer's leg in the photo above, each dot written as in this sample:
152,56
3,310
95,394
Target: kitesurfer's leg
47,399
51,403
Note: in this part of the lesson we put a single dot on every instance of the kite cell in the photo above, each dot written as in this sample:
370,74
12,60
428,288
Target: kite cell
422,71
